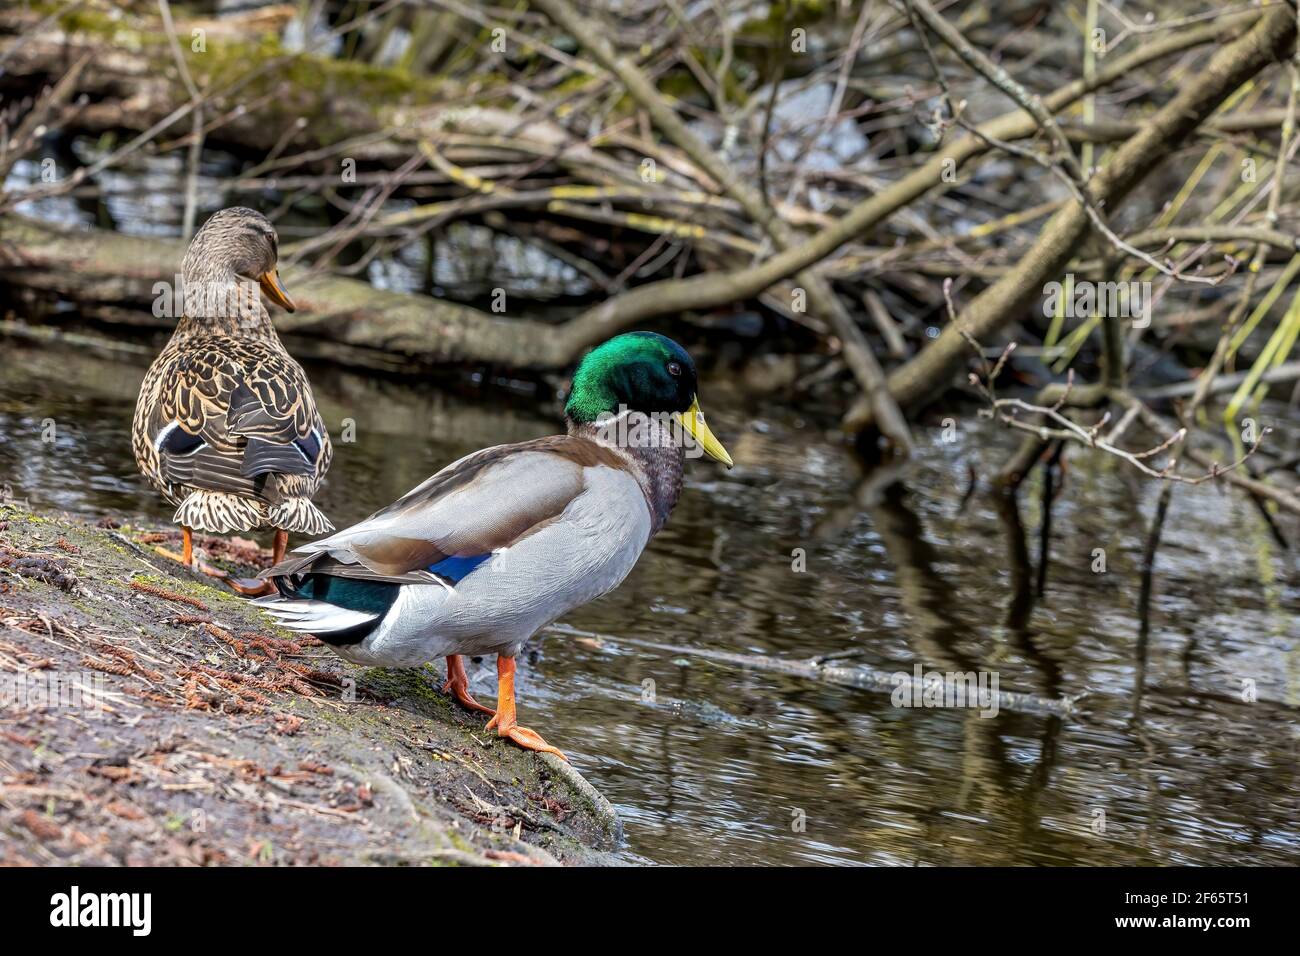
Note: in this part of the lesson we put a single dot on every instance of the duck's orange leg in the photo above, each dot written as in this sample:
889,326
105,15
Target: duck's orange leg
458,684
257,587
504,721
186,557
278,546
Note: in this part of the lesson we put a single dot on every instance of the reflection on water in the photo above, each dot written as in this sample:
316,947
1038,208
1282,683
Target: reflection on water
717,764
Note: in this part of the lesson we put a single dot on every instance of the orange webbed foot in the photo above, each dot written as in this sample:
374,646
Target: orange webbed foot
528,739
260,587
458,683
188,558
251,587
170,555
504,719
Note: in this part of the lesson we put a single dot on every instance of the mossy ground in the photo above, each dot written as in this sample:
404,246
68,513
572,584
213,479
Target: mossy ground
202,735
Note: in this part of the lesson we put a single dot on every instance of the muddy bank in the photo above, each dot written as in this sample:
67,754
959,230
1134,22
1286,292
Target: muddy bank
151,718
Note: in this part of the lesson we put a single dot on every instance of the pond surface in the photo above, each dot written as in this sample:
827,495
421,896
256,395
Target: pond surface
714,763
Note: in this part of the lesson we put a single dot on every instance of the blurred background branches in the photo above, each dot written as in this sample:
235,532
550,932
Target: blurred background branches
796,178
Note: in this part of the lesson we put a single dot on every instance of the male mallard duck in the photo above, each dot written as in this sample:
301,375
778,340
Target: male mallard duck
226,426
500,544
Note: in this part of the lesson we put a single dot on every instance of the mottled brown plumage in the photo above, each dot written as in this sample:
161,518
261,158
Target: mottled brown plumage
226,427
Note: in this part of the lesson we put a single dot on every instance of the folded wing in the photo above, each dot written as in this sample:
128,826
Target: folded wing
223,421
452,523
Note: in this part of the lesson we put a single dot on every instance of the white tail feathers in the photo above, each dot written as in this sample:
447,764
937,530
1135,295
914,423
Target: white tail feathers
312,617
300,515
218,513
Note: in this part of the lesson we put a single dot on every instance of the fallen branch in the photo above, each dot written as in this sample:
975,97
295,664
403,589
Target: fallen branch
113,275
930,371
720,288
1005,410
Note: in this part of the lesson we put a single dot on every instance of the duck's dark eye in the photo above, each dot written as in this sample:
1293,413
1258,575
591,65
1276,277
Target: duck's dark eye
674,369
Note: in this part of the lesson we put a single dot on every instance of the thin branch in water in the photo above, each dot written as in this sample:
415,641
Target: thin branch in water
1006,409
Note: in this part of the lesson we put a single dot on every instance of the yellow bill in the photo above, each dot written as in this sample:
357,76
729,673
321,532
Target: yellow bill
270,283
693,421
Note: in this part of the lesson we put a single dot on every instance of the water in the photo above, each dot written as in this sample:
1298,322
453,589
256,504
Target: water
717,764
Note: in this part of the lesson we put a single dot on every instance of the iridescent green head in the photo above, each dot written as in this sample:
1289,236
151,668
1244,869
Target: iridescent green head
641,372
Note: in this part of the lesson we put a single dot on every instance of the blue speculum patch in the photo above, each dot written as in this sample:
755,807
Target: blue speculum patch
455,569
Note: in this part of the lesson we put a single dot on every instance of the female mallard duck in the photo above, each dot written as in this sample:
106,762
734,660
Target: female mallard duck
503,542
226,426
